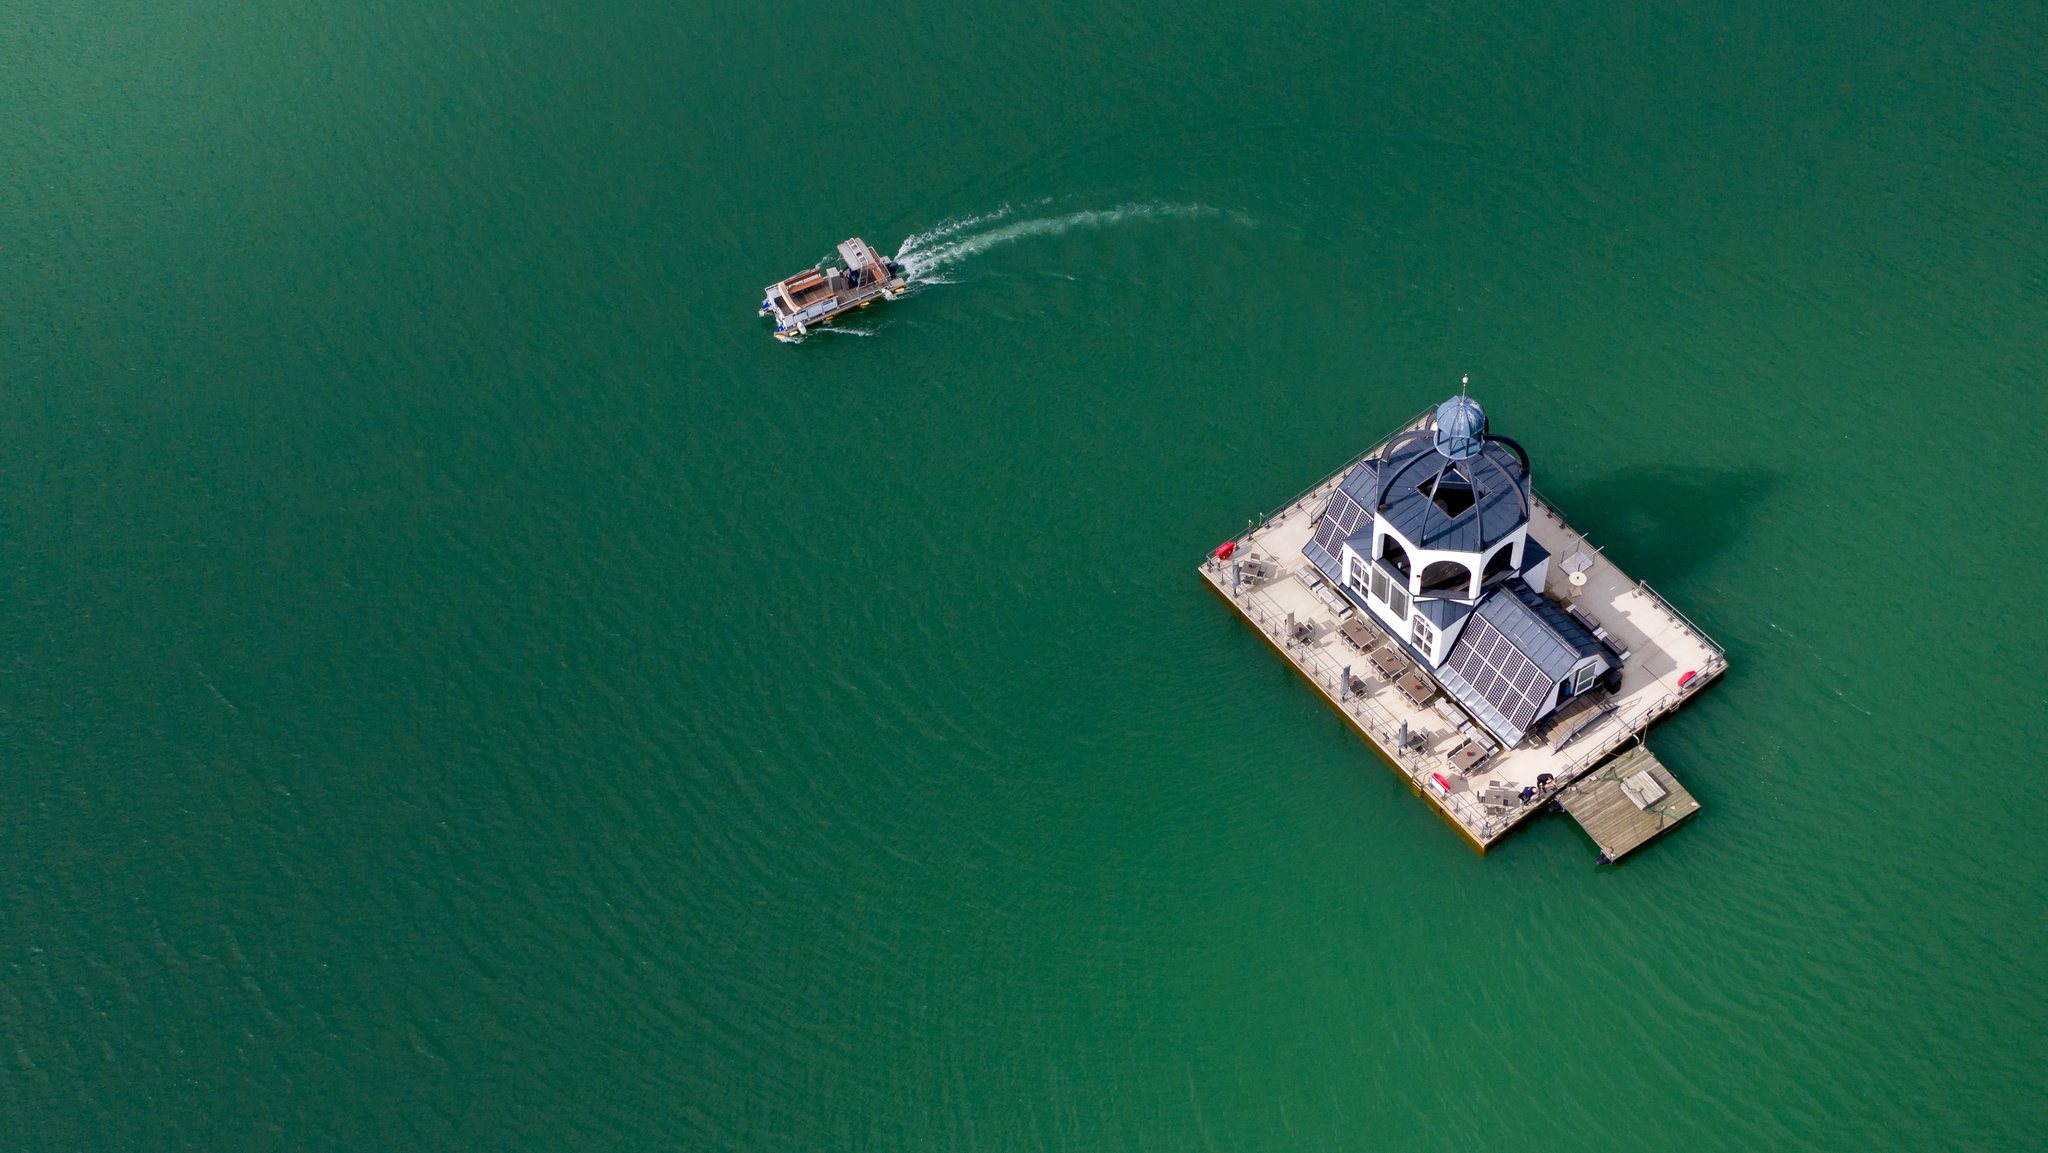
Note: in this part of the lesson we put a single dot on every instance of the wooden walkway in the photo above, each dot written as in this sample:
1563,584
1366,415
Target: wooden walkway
1627,802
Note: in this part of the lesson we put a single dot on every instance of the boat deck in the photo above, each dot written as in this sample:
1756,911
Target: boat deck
1446,756
818,295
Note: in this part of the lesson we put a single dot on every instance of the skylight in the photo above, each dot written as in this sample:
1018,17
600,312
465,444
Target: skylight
1453,492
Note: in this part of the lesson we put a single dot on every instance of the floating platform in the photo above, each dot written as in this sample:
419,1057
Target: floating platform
1481,789
1627,802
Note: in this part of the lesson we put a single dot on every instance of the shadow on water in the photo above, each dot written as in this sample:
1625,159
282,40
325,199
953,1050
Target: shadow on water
1665,522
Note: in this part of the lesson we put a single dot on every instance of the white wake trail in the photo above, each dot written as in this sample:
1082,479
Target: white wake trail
953,226
925,254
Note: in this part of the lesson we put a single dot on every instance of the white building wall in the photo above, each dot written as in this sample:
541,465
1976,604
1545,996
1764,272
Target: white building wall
1354,569
1450,638
1357,572
1538,575
1475,563
1357,569
1437,646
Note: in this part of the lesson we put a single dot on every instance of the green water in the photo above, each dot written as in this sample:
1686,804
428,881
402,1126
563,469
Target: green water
467,687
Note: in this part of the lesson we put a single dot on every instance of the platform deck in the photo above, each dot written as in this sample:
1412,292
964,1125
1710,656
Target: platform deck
1272,585
1601,803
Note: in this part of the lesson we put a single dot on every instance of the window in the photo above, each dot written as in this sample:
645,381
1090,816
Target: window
1450,491
1583,679
1503,558
1446,576
1399,601
1379,584
1422,634
1392,552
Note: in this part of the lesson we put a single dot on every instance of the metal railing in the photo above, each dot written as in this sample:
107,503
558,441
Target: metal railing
1643,585
1376,721
1383,726
1316,489
1718,651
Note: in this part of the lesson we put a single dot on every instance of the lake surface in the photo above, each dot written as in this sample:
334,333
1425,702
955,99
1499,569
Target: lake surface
467,687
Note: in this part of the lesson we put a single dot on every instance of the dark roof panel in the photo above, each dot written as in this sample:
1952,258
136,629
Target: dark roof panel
1328,535
1491,678
1455,674
1513,652
1361,482
1342,516
1411,467
1320,557
1541,630
1443,613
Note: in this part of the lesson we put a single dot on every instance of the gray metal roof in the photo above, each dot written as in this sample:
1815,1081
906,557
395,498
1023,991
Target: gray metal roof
1348,508
1412,469
1510,657
1539,629
1361,481
1443,613
1321,558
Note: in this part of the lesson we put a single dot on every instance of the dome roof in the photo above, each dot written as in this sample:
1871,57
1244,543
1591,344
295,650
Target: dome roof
1460,428
1450,484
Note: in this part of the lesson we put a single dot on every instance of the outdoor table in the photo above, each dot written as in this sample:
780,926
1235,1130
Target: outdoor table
1358,633
1416,689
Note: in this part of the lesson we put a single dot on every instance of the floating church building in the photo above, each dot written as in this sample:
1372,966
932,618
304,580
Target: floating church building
1417,589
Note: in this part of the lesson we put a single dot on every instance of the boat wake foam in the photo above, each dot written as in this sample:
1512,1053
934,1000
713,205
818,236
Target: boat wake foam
830,329
924,255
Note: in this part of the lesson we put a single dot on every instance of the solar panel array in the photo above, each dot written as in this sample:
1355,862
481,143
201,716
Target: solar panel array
1340,520
1508,680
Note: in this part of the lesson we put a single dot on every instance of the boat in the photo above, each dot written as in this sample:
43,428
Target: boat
818,295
